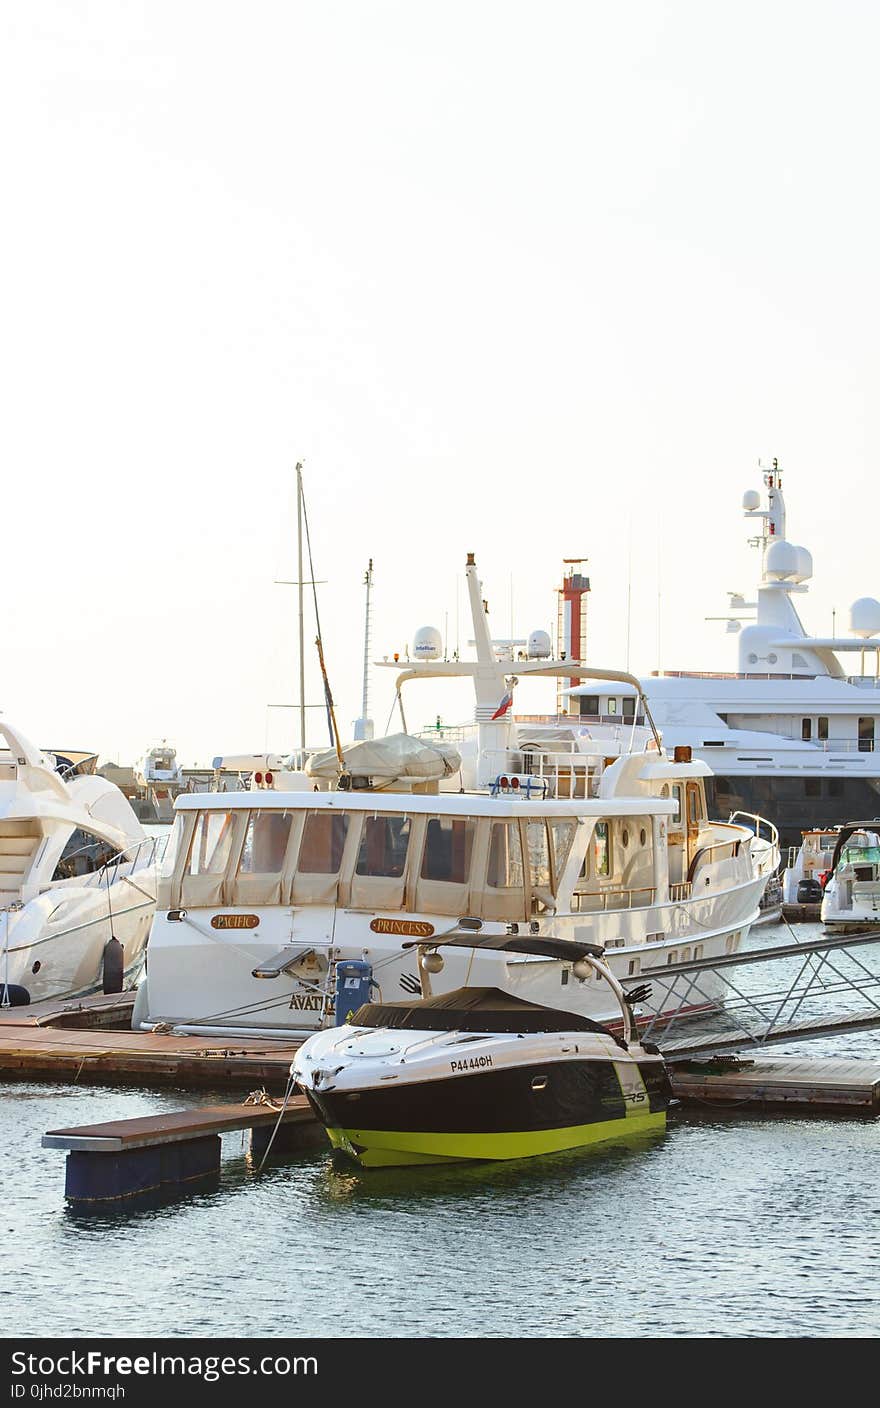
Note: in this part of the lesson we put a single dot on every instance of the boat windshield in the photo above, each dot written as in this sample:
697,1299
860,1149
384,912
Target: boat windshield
860,855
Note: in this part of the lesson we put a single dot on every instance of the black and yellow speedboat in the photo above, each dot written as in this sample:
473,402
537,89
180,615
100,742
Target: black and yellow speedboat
480,1074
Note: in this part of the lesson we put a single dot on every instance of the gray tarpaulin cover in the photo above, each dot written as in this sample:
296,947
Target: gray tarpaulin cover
399,755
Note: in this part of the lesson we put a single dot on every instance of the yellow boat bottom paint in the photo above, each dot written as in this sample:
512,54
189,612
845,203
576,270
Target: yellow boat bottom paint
384,1148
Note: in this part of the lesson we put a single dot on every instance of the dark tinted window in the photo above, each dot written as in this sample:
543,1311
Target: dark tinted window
83,854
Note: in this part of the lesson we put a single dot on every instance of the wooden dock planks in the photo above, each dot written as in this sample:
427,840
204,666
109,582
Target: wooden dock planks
781,1083
141,1058
148,1131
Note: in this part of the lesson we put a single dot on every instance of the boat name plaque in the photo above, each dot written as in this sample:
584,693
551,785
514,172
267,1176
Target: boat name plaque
234,921
415,928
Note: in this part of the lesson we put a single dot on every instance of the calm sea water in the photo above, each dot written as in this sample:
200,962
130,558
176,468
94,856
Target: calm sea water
724,1226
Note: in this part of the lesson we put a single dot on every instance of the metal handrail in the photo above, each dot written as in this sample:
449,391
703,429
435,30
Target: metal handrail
604,894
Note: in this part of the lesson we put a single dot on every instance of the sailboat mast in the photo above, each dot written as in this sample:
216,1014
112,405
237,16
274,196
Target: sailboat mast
299,587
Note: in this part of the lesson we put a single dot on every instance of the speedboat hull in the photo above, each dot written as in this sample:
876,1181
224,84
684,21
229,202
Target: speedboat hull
491,1116
391,1096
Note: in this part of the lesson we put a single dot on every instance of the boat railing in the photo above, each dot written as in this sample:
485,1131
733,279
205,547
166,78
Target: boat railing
681,890
137,856
613,898
719,850
556,769
754,823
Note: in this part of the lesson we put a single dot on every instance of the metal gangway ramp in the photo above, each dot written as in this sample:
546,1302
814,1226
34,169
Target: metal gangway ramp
742,1005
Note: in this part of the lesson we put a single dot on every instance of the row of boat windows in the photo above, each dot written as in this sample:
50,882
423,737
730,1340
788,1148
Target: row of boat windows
384,847
865,732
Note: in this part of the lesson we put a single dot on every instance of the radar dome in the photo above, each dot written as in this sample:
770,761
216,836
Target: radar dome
864,617
781,561
751,500
805,564
539,645
427,643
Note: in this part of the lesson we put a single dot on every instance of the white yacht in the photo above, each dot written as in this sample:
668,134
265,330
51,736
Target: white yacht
76,868
790,734
851,899
590,836
807,871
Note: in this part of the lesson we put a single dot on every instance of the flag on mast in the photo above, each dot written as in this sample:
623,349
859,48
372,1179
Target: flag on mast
503,706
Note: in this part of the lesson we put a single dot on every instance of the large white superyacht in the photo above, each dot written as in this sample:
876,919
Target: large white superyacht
790,733
288,905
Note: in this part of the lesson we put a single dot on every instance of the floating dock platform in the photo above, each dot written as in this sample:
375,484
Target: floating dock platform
773,1084
166,1155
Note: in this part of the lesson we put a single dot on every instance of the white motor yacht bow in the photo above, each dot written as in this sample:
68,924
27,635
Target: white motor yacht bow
76,869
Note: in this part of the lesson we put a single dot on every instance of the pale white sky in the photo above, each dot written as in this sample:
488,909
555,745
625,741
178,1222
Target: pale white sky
532,281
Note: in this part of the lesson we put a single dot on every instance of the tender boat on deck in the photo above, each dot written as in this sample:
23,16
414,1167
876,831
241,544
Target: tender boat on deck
477,1073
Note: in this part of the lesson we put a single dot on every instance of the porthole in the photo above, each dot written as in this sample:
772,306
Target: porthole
643,836
625,837
539,1082
37,966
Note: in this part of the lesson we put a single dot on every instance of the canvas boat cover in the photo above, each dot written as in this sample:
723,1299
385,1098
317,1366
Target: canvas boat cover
398,755
473,1010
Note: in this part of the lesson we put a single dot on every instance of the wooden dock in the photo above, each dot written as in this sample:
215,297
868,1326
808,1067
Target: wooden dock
778,1083
100,1011
122,1162
142,1058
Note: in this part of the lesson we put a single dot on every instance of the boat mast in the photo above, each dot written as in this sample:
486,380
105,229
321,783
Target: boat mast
363,728
299,588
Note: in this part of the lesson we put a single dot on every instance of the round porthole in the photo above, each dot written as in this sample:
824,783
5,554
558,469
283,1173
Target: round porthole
625,837
643,836
37,966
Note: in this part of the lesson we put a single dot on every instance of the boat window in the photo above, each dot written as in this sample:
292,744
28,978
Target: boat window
589,704
538,841
806,729
866,735
822,726
602,848
83,854
562,833
323,839
612,706
693,804
383,847
265,843
211,842
629,708
676,797
448,845
505,870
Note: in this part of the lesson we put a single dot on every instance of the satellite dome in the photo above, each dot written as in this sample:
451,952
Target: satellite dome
805,564
427,643
781,561
539,645
751,500
864,617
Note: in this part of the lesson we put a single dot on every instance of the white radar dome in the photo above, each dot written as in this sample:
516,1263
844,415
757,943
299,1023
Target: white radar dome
427,643
805,564
539,645
751,500
864,617
781,561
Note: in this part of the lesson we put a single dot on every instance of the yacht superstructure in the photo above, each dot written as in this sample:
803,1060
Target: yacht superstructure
790,733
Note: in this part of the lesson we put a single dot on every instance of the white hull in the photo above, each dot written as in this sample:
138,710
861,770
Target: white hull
63,936
201,979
